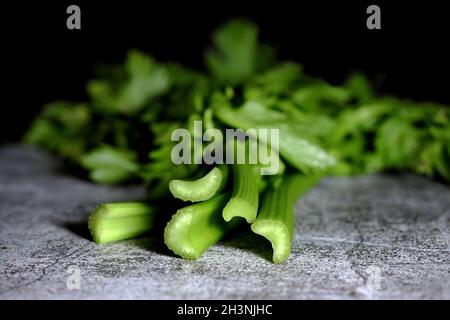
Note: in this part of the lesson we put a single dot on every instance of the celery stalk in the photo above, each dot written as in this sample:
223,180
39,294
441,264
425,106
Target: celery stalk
193,229
110,222
244,200
201,189
275,221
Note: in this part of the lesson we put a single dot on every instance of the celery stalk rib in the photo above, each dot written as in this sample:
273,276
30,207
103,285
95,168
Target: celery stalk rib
275,221
110,222
201,189
244,200
193,229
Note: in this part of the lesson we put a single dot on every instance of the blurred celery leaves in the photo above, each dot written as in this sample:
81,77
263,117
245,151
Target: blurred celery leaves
123,132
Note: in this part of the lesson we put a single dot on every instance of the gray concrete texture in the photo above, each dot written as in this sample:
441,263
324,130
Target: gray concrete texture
367,237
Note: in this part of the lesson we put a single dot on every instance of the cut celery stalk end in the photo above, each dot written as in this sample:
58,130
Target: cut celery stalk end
201,189
245,197
110,222
275,221
193,229
238,207
278,235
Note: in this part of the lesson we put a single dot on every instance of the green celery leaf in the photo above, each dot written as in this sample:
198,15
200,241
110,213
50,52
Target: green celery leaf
109,165
237,55
145,79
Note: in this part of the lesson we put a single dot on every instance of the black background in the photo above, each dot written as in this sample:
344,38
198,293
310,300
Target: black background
44,61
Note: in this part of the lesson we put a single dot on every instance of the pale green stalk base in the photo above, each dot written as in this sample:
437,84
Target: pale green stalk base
193,229
244,201
201,189
242,208
275,221
279,236
112,222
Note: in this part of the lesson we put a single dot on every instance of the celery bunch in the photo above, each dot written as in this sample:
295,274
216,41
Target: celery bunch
123,134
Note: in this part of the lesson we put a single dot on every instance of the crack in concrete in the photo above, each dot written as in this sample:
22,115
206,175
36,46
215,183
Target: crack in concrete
43,271
355,248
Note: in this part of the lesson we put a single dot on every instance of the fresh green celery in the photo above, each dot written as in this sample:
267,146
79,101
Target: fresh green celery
275,221
244,200
201,189
193,229
124,133
297,150
110,222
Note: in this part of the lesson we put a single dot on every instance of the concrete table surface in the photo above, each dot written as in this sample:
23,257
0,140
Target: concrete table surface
368,237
